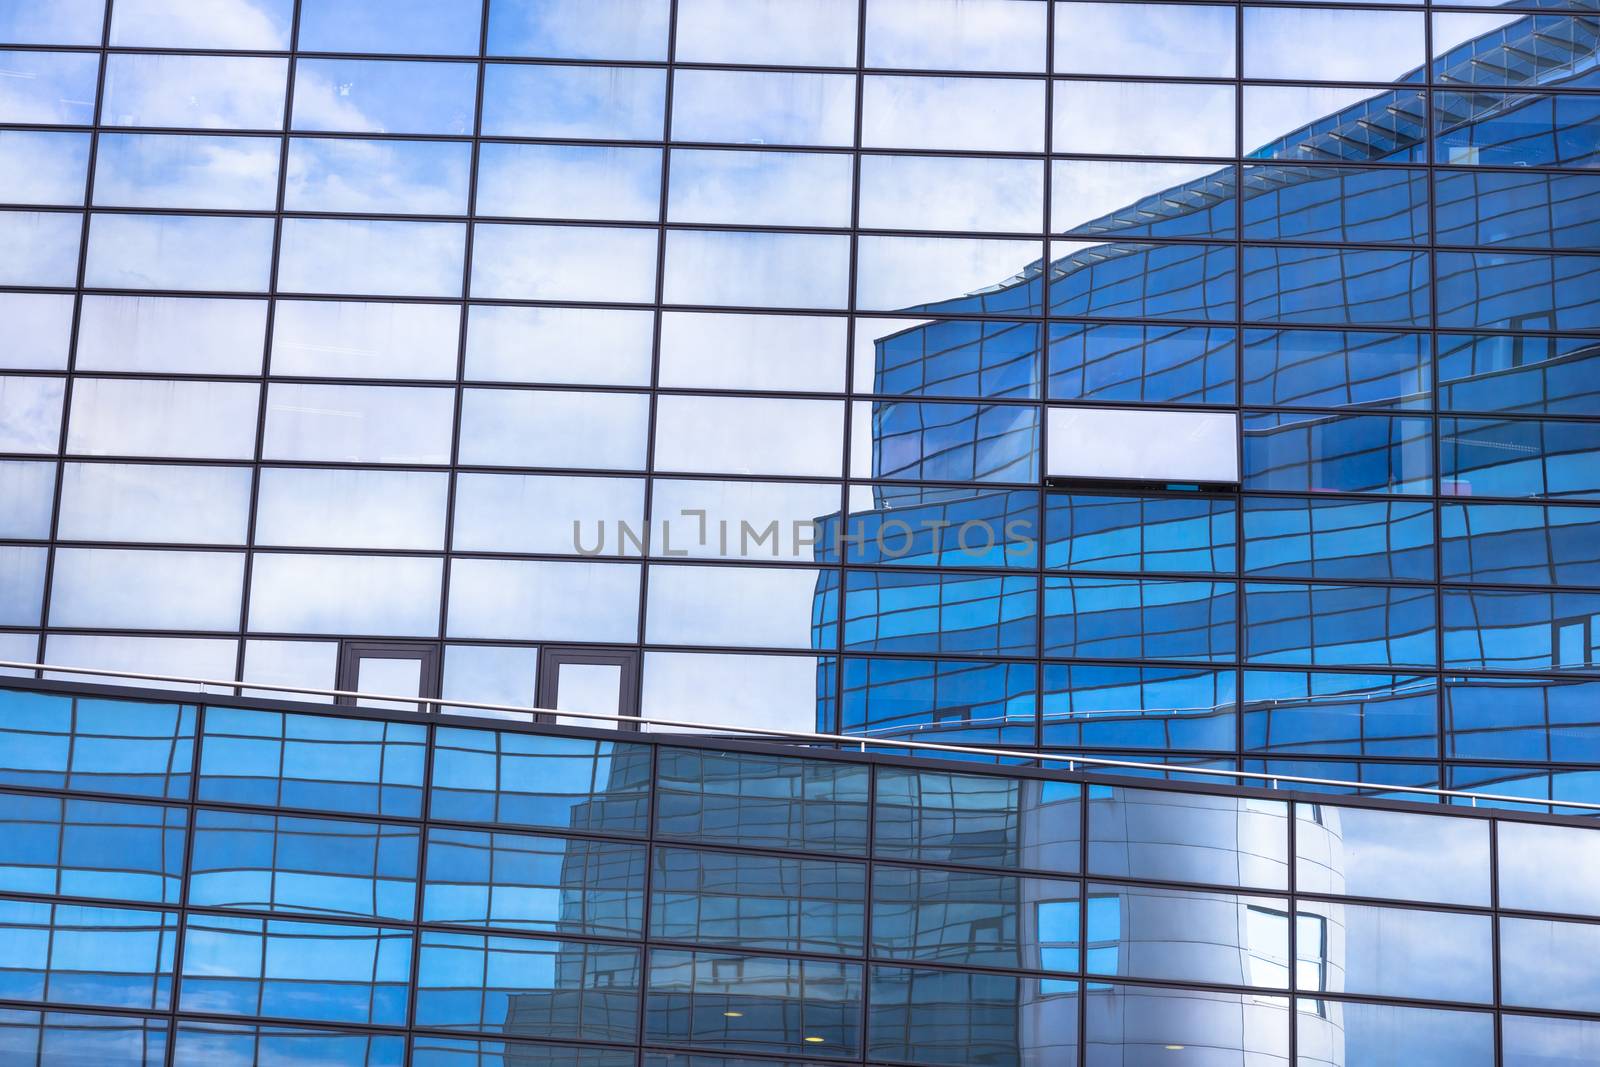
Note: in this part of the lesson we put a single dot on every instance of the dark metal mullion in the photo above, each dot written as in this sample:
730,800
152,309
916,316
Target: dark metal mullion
1240,629
72,340
264,379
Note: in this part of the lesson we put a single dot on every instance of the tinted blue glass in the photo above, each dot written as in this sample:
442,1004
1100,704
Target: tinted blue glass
1531,375
319,866
59,1039
49,87
1534,719
560,783
1138,280
523,882
1500,629
97,745
945,700
1291,203
1529,209
295,970
945,527
219,1044
1338,453
955,442
415,27
946,817
1131,618
1335,368
1307,537
1145,364
321,762
778,1004
1533,49
593,102
743,798
1357,287
1308,712
1493,457
1538,784
769,902
1151,533
985,920
1524,129
1521,544
1343,625
1547,964
1139,707
1376,776
1518,291
432,1051
889,611
579,29
91,848
955,357
985,1020
524,986
72,954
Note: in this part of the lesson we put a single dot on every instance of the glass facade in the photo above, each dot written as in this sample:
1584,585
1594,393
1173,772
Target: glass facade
693,358
260,883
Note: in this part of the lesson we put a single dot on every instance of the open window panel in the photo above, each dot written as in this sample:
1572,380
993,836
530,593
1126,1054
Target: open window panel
391,669
602,681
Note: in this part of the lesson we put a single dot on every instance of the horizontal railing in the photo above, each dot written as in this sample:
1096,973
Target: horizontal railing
1073,761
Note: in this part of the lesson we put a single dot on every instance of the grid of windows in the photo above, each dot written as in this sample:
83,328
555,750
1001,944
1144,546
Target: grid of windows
253,882
331,323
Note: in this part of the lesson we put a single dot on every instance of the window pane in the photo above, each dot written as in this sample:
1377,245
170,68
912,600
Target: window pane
30,413
1312,123
984,920
749,435
73,954
902,611
40,248
206,252
1526,131
43,168
797,270
1312,44
351,508
358,423
956,1018
1528,854
1520,459
194,92
564,263
1529,1041
40,329
377,177
1505,290
199,420
1325,625
555,514
609,103
1142,364
366,256
64,22
1521,544
548,428
701,350
345,339
1304,537
579,29
1335,368
1139,707
138,589
956,34
200,1044
1113,118
1331,1030
1113,533
385,596
29,488
1188,837
808,33
911,273
1338,453
760,188
260,24
986,820
1482,207
770,691
50,87
383,96
783,1003
22,576
1193,41
762,107
1503,629
1143,280
1242,1027
156,170
1125,618
728,899
770,801
407,26
522,882
176,335
951,193
1243,940
948,442
1395,952
1144,199
569,181
767,607
154,502
960,113
587,346
539,600
1351,851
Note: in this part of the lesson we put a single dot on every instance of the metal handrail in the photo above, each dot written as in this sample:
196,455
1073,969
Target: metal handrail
1072,761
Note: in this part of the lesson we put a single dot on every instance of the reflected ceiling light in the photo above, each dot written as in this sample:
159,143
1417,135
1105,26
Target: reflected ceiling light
1175,1048
734,1014
815,1040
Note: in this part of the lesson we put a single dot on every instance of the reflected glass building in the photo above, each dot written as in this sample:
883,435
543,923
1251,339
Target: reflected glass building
1209,385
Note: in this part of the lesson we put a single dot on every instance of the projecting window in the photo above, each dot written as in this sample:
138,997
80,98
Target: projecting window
389,668
601,680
